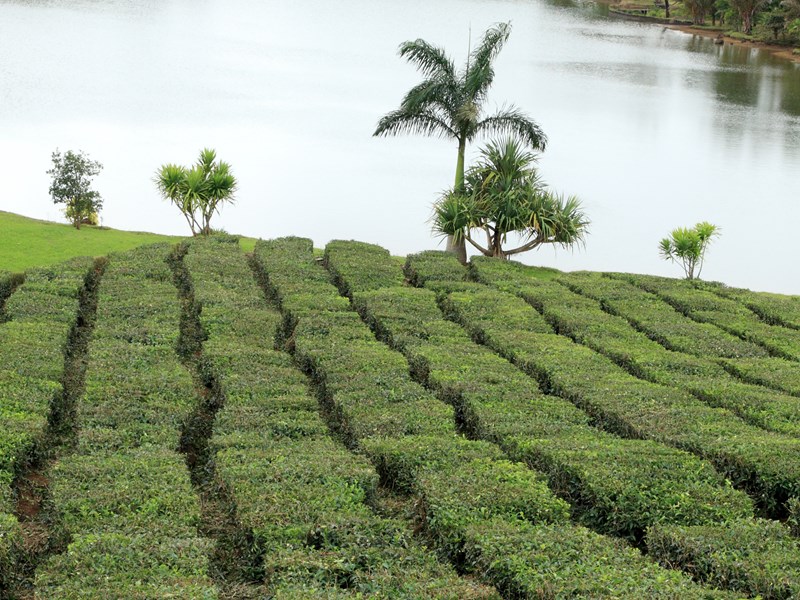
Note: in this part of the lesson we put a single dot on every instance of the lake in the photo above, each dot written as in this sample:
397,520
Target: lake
652,128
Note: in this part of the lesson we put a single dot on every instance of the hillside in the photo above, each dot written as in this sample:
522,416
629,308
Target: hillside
30,242
192,421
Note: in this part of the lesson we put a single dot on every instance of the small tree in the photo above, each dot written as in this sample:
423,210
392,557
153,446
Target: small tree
72,186
688,246
199,191
504,194
776,22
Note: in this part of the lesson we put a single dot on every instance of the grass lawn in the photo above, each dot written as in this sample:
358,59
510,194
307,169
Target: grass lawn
26,243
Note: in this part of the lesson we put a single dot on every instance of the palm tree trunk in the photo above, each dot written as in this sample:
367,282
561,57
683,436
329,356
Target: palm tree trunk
459,248
462,147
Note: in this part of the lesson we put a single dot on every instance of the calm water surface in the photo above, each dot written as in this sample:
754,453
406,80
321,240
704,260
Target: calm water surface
652,128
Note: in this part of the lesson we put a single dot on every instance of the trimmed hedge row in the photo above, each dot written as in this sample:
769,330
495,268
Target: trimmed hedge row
634,407
775,309
526,558
662,323
758,558
10,543
794,516
583,319
375,397
766,464
707,307
776,373
124,495
658,320
362,273
461,484
615,486
302,497
552,561
8,283
39,314
430,270
777,549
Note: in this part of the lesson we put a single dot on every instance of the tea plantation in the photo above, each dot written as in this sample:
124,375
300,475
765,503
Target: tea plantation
192,421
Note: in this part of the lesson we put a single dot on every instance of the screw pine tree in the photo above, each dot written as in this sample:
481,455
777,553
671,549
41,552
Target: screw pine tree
687,246
199,191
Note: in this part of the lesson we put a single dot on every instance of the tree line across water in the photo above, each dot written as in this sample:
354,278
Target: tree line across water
775,21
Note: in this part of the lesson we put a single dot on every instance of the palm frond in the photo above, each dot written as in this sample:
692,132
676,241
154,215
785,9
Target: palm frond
431,94
425,122
480,72
512,121
430,60
570,221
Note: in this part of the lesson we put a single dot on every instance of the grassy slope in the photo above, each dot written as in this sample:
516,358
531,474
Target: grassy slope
26,243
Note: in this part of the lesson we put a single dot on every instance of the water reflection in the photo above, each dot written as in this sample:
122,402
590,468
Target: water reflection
750,77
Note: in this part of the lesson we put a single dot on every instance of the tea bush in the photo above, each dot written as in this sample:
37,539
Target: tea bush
758,558
583,320
36,317
300,496
428,461
124,496
707,307
646,312
775,309
764,463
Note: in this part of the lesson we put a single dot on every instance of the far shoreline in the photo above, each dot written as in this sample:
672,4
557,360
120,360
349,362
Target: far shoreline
785,52
776,49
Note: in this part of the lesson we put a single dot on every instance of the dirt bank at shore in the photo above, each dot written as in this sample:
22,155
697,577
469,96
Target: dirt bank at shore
780,51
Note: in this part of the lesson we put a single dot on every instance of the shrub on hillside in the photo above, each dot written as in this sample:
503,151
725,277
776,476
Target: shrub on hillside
71,186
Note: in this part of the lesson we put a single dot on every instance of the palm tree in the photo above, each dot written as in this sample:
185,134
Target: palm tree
199,191
504,194
449,103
